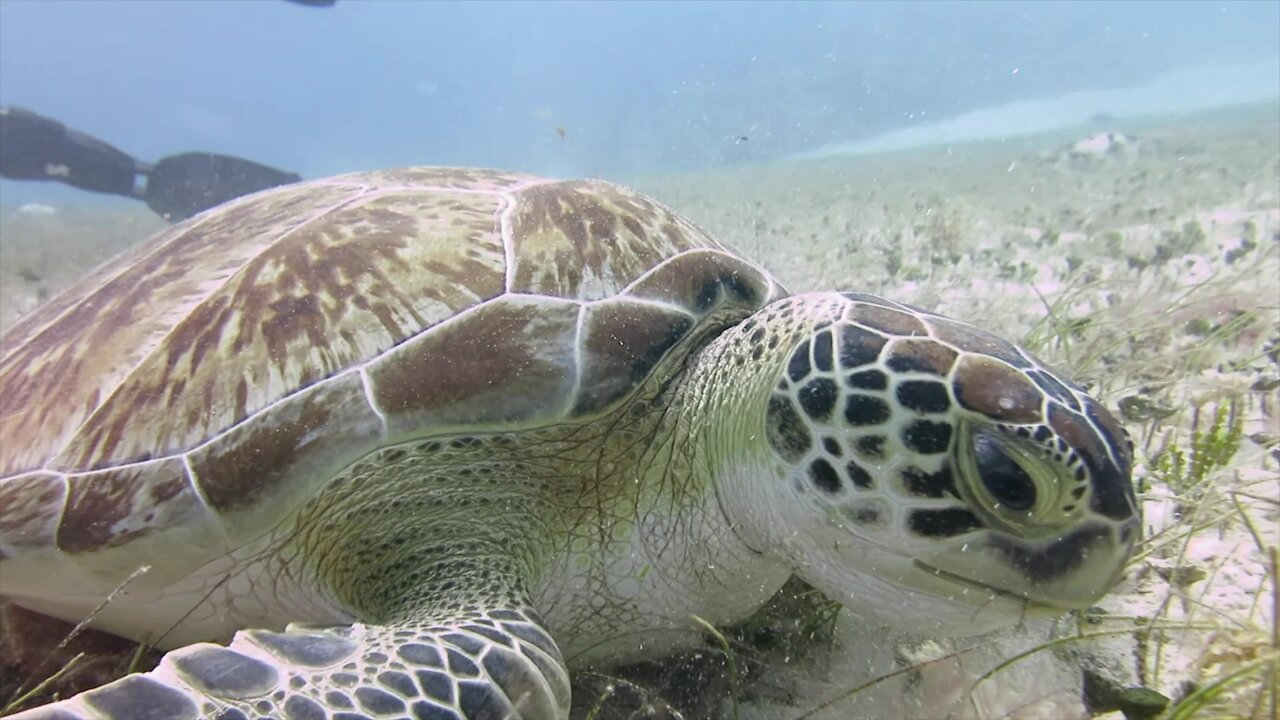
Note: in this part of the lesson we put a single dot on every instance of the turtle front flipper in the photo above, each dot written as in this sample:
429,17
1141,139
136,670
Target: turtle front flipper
496,663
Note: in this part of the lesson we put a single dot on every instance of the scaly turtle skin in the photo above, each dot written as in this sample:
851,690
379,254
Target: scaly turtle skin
455,427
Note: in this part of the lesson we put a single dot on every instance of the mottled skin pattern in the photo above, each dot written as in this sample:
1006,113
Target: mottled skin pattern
460,430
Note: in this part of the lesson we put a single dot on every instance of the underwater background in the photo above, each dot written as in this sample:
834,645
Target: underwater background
611,89
1098,181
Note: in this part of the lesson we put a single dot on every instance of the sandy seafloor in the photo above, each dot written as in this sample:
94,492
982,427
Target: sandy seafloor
1148,270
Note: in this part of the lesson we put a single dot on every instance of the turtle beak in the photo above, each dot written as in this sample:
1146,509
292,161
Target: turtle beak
1069,571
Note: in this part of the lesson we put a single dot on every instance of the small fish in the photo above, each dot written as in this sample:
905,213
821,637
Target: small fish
738,139
561,132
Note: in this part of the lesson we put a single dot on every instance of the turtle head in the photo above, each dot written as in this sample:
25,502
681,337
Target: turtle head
924,470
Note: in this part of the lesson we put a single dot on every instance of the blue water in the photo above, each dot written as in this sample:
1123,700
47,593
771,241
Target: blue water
636,88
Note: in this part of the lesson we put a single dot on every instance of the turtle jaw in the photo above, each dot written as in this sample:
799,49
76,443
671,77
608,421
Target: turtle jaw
979,583
890,579
1070,571
905,593
1033,609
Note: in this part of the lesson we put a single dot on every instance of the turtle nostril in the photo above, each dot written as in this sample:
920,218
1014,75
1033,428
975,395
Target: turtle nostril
1003,477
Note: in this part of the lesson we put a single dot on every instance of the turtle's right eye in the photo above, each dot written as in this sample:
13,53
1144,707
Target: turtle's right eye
1009,484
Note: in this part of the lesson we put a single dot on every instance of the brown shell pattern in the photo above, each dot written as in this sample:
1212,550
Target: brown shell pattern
235,360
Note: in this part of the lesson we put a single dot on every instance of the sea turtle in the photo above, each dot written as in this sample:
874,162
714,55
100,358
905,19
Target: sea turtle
437,434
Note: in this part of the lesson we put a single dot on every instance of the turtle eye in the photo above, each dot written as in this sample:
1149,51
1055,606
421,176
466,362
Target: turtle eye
1009,484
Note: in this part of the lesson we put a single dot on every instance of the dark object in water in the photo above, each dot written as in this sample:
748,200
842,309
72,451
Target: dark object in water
35,147
185,184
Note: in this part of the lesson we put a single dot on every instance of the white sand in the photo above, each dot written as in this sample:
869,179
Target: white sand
1185,90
